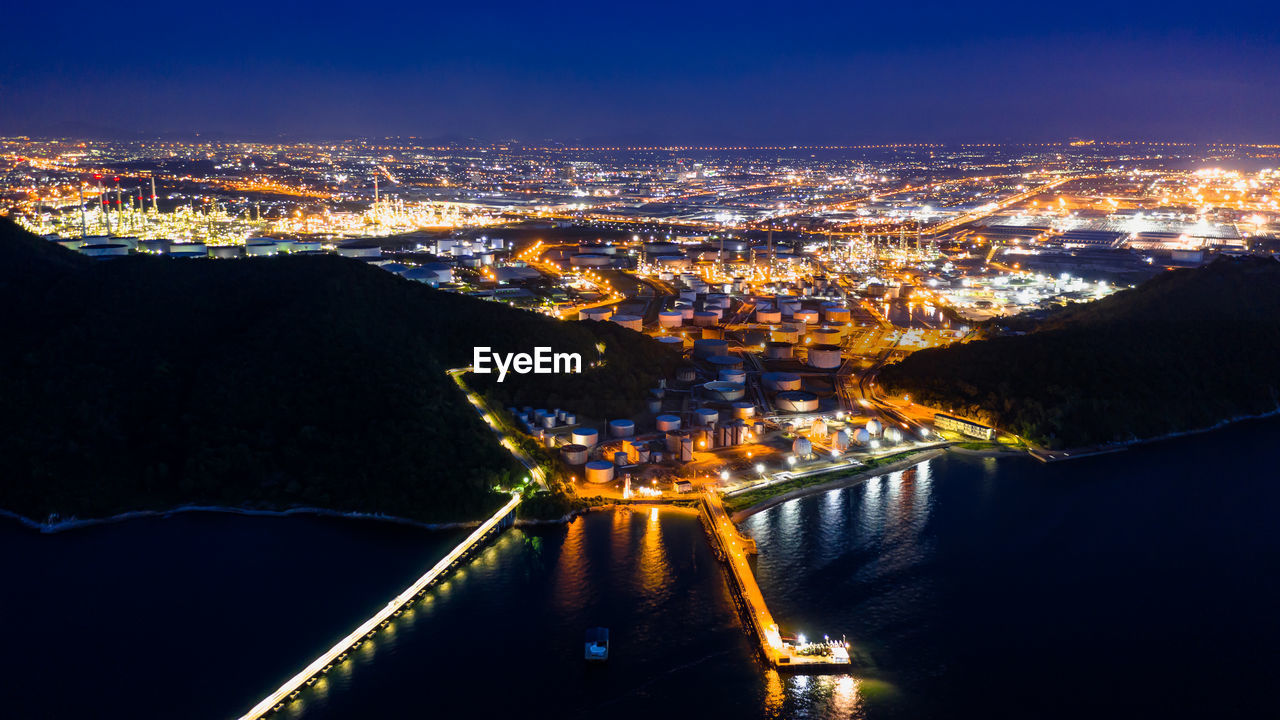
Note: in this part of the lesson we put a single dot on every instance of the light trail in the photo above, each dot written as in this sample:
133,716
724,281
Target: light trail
368,626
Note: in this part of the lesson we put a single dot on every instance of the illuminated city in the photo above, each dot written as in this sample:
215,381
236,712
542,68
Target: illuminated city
689,360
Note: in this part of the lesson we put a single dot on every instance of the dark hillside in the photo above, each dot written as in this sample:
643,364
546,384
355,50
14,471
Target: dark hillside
146,382
1185,350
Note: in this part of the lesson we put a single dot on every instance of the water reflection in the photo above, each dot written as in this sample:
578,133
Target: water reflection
572,575
655,569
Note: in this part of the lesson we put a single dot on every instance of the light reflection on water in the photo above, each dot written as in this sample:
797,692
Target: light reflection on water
967,587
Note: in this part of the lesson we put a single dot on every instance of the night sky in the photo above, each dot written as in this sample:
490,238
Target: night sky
688,72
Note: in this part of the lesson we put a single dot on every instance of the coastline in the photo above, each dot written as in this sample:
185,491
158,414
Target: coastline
1076,453
77,523
844,481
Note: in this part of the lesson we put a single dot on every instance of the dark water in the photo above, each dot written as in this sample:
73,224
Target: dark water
1142,584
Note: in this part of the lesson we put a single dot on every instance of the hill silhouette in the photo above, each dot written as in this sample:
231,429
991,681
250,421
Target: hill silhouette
1186,350
147,382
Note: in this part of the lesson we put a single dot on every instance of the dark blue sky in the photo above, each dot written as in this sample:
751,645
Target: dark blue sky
688,72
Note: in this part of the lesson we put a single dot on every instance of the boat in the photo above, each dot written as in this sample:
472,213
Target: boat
596,647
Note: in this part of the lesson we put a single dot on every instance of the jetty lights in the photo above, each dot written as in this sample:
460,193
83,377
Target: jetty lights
791,460
724,475
760,468
800,639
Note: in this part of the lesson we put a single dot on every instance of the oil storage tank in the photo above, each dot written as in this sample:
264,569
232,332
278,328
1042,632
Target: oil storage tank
780,381
621,428
709,348
574,454
824,357
726,391
599,471
796,401
670,318
631,322
587,437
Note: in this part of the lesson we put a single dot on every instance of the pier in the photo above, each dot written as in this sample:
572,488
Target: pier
276,701
735,549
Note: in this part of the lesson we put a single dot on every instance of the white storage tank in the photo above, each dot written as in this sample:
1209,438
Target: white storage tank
784,335
670,318
709,347
666,423
621,459
781,381
776,350
861,436
840,441
768,316
259,247
796,401
825,335
705,318
672,342
727,391
105,249
631,322
836,314
599,471
706,416
808,317
596,313
686,311
360,249
733,375
584,436
893,435
743,410
802,447
188,250
874,427
621,428
574,454
824,357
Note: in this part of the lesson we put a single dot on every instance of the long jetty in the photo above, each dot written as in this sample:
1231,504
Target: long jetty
369,628
735,549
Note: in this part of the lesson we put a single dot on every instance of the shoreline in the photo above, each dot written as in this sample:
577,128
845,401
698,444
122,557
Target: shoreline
78,523
1076,453
844,481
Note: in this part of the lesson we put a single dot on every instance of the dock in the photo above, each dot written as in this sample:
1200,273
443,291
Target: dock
277,701
734,549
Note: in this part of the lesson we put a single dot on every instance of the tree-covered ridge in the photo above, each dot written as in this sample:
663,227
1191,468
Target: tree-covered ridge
145,382
1184,351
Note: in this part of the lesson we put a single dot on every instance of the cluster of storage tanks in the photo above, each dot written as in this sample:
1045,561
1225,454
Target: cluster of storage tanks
841,435
113,246
538,421
671,440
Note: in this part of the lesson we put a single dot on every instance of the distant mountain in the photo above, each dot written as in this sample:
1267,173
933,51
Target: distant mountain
1185,350
146,382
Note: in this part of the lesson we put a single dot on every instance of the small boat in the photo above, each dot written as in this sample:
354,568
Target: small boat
596,648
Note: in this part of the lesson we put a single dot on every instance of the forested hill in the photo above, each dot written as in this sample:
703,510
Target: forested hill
146,382
1186,350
